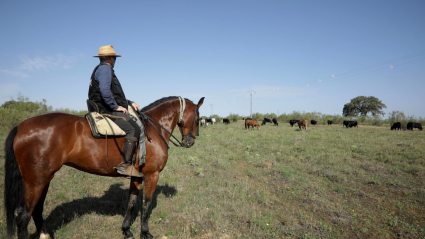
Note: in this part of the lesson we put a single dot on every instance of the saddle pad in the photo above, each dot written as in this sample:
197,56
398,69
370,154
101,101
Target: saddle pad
102,126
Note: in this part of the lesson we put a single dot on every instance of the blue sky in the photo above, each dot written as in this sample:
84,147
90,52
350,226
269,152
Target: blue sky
296,55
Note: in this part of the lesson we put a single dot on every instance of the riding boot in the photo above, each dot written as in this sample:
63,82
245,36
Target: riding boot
126,167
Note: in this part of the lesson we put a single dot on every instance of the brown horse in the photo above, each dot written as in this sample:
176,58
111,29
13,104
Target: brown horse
40,145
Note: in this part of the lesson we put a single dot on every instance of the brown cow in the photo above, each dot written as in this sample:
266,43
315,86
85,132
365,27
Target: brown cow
303,124
251,122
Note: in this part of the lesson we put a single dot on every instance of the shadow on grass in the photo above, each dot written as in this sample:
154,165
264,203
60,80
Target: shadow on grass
113,202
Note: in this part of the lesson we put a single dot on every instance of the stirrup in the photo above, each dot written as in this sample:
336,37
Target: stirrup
132,172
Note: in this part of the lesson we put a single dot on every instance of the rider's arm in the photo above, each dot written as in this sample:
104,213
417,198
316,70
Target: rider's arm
104,76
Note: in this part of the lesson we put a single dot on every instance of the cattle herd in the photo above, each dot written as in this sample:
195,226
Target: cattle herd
303,124
410,126
205,122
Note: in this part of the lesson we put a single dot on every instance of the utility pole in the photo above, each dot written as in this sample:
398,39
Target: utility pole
251,92
211,109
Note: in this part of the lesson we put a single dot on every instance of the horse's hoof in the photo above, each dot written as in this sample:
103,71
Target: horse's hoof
44,236
128,235
146,235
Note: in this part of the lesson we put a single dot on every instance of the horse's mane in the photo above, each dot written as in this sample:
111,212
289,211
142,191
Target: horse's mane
160,101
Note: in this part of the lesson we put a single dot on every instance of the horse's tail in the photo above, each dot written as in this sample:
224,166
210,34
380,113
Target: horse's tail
13,183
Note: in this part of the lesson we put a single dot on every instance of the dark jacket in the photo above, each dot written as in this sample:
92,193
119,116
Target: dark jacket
116,90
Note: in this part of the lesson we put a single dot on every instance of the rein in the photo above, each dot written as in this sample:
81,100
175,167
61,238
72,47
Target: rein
149,119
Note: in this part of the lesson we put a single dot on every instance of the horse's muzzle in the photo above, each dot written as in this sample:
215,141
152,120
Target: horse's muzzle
188,141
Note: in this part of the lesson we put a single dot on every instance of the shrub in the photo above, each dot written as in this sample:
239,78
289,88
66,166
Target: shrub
234,117
13,112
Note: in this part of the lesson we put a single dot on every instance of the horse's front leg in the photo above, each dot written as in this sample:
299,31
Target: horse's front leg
148,191
132,199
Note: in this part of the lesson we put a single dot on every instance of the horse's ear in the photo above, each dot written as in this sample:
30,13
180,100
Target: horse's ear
201,101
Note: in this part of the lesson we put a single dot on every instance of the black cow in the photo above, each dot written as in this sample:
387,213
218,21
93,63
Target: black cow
208,120
292,122
275,122
266,120
396,125
412,125
226,121
330,122
353,124
345,123
349,124
313,122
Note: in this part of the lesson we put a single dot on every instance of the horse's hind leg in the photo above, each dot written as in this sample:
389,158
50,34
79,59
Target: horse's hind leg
128,219
22,218
30,205
37,215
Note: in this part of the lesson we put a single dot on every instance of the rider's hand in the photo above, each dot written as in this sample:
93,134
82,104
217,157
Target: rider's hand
136,106
120,108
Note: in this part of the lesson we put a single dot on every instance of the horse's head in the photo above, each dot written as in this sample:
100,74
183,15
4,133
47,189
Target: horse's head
189,124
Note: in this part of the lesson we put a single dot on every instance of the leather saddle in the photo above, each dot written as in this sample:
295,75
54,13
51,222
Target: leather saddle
100,124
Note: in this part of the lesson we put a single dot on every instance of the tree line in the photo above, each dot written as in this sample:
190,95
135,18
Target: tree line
366,110
12,112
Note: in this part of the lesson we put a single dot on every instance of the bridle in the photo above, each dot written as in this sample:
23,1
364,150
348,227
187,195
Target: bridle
182,109
193,124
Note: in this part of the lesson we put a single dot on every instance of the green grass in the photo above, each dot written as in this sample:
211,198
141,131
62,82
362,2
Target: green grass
276,182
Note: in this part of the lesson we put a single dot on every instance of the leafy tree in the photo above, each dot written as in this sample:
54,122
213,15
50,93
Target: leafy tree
257,116
270,116
234,117
297,115
217,118
20,105
396,116
12,112
362,105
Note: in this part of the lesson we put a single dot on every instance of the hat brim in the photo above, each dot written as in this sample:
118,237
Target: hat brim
108,55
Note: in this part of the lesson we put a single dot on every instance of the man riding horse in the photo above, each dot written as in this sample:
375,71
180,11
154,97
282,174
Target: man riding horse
106,92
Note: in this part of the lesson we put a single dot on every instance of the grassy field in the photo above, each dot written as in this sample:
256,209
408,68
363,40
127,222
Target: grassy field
276,182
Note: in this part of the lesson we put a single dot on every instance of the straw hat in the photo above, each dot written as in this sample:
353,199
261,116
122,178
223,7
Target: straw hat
107,50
